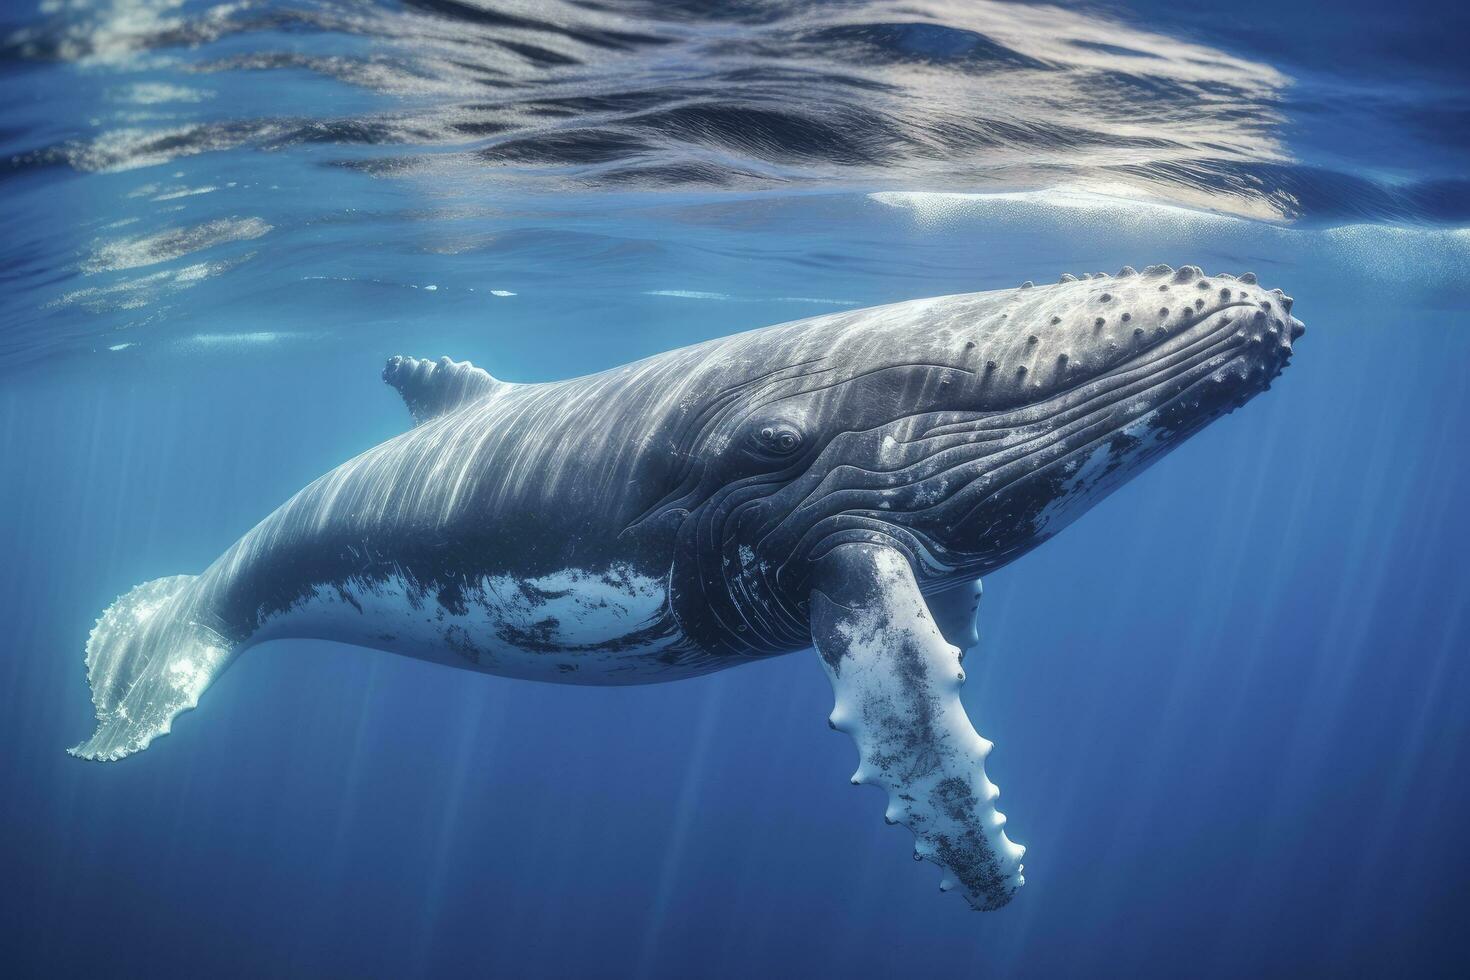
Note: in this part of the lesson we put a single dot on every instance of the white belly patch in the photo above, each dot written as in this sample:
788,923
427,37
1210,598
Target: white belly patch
575,621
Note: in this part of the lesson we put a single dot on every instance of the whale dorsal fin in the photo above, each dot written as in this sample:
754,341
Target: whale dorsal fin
432,388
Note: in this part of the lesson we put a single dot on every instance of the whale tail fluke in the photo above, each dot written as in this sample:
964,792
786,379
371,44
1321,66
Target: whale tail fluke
148,659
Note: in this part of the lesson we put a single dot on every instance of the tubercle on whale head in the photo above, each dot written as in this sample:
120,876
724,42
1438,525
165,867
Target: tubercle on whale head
1086,326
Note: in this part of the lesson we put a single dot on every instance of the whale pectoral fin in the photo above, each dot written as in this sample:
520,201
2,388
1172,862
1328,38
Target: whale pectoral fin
954,613
432,388
897,684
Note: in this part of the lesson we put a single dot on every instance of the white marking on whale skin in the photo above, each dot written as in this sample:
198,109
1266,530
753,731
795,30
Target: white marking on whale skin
927,495
573,620
1086,474
930,562
191,673
589,608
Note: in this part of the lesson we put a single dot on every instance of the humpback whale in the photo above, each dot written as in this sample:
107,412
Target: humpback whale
839,483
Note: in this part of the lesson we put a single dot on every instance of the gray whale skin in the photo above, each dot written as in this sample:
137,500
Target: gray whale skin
839,483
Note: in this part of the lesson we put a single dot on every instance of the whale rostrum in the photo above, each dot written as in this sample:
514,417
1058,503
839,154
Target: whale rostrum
840,482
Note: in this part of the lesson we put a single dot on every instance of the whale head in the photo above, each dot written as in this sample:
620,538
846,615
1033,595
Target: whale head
1078,387
963,430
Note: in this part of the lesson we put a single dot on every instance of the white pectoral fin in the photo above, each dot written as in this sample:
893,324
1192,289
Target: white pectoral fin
896,682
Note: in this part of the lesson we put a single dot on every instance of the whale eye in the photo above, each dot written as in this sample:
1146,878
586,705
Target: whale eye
780,438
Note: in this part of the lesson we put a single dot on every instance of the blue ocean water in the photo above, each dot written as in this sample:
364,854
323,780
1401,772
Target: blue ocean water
1231,706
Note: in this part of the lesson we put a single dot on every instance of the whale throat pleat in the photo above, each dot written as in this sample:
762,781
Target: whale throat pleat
433,388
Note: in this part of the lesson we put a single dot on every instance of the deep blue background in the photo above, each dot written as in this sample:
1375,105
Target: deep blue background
1231,706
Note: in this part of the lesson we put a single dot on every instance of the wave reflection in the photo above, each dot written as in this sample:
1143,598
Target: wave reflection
935,93
187,167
